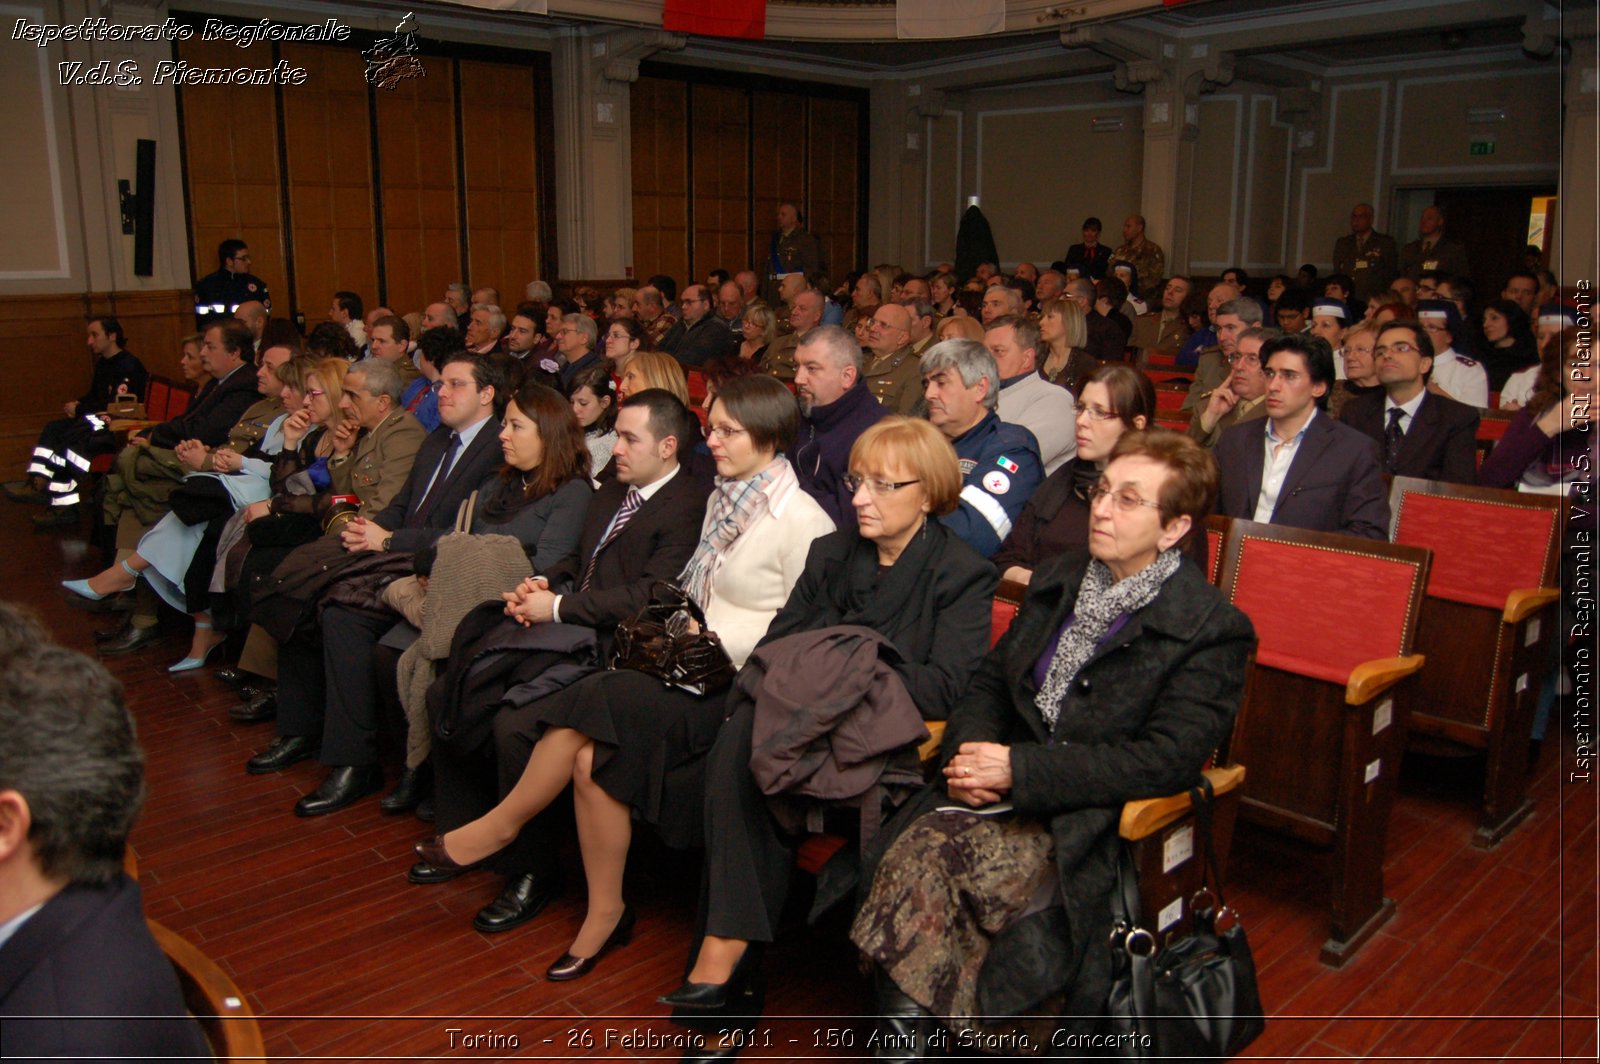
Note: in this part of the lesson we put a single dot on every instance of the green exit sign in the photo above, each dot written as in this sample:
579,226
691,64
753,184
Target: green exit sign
1481,147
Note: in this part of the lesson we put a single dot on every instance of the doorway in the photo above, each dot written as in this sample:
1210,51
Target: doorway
1496,223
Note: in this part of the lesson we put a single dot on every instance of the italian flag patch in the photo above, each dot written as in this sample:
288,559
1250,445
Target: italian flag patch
1007,464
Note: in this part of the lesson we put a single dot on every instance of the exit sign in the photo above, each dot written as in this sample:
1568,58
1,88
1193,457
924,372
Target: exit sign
1481,147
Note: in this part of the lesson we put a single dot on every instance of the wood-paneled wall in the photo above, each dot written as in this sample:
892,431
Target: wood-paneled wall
714,155
47,361
351,158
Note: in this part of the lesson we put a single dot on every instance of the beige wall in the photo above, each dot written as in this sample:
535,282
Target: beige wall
1238,186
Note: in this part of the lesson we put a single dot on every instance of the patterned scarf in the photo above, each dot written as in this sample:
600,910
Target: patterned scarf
1101,600
734,506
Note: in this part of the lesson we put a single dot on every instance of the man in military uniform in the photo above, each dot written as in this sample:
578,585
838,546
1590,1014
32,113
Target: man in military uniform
1242,396
1145,256
805,314
893,374
1432,251
219,295
1000,465
792,250
1163,330
1369,258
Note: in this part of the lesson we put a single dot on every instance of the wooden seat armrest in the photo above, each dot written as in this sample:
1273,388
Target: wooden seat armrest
1146,816
123,425
1371,678
929,750
1525,602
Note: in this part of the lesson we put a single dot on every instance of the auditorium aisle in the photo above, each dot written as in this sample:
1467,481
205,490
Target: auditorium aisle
340,956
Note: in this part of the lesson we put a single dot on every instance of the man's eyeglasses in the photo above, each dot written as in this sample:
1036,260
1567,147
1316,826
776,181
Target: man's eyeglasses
1238,358
876,486
1399,347
1125,499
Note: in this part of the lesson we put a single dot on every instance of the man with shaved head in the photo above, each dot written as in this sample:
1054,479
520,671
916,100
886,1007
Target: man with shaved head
893,373
1368,257
1144,255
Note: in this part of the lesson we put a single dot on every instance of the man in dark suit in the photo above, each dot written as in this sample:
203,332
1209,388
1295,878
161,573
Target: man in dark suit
1090,258
77,963
699,337
327,696
642,527
1422,434
1302,468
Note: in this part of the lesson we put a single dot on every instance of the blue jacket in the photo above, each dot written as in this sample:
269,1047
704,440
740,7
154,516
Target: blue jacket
1000,468
821,452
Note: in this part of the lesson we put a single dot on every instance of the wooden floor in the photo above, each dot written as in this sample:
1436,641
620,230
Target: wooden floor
1491,956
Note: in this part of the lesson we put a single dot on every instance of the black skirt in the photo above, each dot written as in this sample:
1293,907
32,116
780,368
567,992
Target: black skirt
651,742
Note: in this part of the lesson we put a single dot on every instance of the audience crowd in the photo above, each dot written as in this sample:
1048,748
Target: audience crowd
442,518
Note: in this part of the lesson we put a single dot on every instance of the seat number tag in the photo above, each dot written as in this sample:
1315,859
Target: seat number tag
1178,848
1533,633
1522,683
1383,716
1373,768
1170,914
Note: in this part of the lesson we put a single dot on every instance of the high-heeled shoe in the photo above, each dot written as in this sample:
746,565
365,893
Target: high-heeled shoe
742,991
190,664
569,967
432,852
82,589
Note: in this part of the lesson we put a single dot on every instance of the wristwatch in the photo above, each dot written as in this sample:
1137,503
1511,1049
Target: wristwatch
387,540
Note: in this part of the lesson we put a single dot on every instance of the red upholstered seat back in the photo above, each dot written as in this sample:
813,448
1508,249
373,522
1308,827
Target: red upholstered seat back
1001,614
156,398
1483,549
1169,399
177,403
697,385
1320,611
1492,428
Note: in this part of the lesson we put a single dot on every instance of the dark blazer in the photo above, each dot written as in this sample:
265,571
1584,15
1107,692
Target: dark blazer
88,952
1078,259
1107,340
1146,710
933,604
1441,442
697,344
414,530
1334,484
213,415
656,544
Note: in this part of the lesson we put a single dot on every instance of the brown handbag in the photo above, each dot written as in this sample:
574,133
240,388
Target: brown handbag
659,641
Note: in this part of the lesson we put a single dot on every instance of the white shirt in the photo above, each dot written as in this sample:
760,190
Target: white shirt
1409,408
1518,387
1280,455
1463,378
645,492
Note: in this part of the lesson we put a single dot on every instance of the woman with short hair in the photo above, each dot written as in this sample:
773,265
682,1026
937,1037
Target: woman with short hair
1119,676
630,744
1065,359
900,573
759,329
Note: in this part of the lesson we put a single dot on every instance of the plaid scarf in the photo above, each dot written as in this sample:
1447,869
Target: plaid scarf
734,505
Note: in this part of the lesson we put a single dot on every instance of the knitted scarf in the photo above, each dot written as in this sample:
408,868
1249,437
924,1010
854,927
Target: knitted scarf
1100,602
734,505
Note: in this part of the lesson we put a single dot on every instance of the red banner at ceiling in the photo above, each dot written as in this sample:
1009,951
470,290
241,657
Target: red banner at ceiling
716,18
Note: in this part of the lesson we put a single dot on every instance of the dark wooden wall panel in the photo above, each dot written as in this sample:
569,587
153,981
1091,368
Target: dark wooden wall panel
502,186
777,133
659,144
416,151
231,158
721,180
835,173
328,147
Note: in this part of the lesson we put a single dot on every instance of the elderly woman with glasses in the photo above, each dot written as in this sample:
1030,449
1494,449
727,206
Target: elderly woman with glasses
905,577
1121,673
1116,399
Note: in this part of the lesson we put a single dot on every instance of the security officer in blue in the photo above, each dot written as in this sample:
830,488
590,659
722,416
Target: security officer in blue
1000,464
219,294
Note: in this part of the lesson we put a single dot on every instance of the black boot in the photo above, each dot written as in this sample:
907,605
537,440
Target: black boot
906,1030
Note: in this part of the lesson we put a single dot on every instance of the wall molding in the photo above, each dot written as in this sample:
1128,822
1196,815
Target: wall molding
1396,170
1332,131
1237,99
9,13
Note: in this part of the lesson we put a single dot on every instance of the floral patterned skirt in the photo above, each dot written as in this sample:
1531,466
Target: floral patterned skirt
951,883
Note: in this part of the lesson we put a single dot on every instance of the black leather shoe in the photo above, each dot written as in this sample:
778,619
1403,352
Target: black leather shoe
285,750
116,631
741,994
427,872
117,602
415,785
425,811
906,1030
344,786
25,491
238,678
568,967
524,898
57,517
131,639
259,706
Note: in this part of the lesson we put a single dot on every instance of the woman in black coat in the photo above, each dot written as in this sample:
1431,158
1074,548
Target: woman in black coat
1120,675
905,577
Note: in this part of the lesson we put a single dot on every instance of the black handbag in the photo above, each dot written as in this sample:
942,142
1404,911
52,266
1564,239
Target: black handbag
658,641
1196,998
